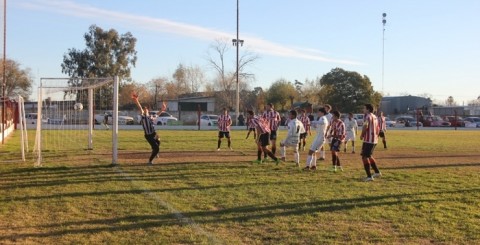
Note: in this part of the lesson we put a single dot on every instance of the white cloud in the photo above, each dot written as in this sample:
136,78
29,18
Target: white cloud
256,44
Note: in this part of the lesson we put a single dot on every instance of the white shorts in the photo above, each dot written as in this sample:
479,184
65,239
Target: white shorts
290,142
317,143
350,136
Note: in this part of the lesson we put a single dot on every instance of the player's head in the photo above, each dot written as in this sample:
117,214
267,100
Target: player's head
224,111
303,111
368,108
293,114
327,107
322,112
250,114
269,106
350,115
336,114
145,110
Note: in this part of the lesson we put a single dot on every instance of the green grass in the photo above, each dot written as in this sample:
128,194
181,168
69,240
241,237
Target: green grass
429,193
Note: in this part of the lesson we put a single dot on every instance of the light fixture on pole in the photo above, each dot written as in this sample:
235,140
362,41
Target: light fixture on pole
236,42
384,21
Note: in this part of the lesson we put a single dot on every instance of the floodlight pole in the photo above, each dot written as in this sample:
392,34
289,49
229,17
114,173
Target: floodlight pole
4,83
237,42
384,21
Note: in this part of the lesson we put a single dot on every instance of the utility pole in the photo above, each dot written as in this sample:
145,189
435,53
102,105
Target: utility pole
384,21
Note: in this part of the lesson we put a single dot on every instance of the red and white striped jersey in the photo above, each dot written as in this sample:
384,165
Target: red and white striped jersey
338,129
224,122
381,123
306,122
260,124
273,118
370,129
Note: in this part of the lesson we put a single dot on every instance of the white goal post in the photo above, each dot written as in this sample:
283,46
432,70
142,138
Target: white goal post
65,115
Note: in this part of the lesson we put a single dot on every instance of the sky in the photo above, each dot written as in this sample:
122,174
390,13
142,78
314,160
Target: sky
427,47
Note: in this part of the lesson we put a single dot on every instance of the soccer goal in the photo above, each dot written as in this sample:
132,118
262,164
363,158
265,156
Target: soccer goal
66,117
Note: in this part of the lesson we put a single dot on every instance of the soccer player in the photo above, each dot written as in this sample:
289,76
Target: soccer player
321,126
251,128
328,115
295,129
351,127
306,125
337,136
149,129
262,129
369,136
273,118
224,123
383,129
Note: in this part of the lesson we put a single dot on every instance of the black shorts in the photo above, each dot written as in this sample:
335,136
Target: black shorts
223,134
264,139
303,136
382,134
273,135
367,149
251,129
335,145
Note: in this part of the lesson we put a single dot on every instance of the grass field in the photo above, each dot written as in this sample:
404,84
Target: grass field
429,194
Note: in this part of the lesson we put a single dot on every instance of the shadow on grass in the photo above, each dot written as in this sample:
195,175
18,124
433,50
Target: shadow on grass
434,165
237,214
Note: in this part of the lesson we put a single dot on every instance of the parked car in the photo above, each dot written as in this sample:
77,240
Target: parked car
389,122
455,122
31,118
208,120
359,118
472,122
164,118
407,121
122,119
435,121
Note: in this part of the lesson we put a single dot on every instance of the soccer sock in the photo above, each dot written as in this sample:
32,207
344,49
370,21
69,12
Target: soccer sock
338,161
218,144
314,160
264,154
283,149
322,154
384,144
309,160
229,143
374,165
274,149
259,154
366,166
297,157
334,159
270,154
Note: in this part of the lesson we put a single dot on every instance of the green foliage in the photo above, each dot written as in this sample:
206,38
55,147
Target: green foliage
348,91
107,54
18,81
280,93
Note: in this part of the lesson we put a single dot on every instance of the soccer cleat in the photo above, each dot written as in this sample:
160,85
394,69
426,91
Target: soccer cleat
321,159
313,168
231,148
368,179
257,161
218,149
278,161
353,152
306,168
333,169
283,159
341,168
297,164
377,175
149,164
265,159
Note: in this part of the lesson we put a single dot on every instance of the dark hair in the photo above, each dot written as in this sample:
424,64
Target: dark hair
322,110
270,104
328,106
369,107
250,113
336,114
294,113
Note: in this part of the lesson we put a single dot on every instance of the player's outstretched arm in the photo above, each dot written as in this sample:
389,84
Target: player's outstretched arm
135,99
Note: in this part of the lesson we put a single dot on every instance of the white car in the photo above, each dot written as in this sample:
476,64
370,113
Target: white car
164,118
389,122
122,120
208,120
359,118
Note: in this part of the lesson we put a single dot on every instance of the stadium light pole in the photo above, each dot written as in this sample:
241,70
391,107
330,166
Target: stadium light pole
4,82
384,21
236,42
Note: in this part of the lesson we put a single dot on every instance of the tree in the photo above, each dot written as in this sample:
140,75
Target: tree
107,54
18,81
281,92
348,91
450,101
226,80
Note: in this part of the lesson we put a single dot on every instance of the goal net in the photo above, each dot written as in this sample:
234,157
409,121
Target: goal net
67,110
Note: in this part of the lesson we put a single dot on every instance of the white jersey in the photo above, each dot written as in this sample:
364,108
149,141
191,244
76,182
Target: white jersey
321,126
295,128
351,125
